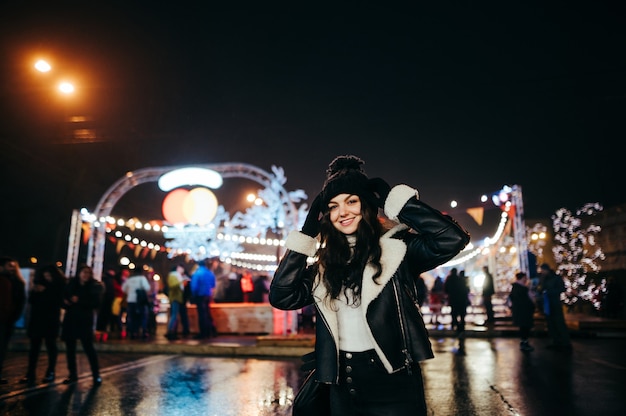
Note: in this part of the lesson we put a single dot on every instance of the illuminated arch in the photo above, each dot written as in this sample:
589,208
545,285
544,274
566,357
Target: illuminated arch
96,244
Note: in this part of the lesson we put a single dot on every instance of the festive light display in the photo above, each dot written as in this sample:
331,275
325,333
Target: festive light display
576,254
220,237
231,238
196,206
188,177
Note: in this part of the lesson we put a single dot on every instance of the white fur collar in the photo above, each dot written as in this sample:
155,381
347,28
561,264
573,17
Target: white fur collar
393,252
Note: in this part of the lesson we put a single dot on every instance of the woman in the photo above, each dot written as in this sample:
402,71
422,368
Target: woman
362,277
45,299
81,300
522,309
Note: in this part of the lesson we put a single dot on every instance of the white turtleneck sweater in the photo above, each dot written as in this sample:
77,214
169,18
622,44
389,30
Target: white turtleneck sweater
354,335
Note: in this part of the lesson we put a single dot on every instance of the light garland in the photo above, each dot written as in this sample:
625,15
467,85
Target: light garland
484,249
250,261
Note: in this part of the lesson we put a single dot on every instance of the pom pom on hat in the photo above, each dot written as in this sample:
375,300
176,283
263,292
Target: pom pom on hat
345,175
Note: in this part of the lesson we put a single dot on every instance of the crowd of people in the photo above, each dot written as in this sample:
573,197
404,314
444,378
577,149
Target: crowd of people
123,313
122,304
47,295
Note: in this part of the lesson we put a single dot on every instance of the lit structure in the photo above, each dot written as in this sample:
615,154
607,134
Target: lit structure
190,176
502,252
283,208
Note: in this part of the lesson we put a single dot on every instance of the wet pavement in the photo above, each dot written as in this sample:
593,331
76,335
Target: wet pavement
483,374
489,376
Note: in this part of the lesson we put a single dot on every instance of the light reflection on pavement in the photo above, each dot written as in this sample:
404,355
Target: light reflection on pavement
479,376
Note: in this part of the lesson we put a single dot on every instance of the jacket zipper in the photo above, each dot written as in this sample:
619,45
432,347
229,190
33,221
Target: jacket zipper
408,360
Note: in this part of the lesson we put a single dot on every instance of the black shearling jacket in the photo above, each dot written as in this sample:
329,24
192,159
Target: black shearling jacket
435,238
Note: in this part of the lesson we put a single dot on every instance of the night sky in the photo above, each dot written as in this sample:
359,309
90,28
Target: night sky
455,100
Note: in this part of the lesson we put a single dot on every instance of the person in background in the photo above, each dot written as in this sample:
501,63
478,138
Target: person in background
228,285
184,315
137,314
522,308
363,351
488,292
221,282
234,294
104,323
12,301
176,283
202,284
457,290
247,286
153,303
261,289
46,300
436,300
118,306
81,300
553,285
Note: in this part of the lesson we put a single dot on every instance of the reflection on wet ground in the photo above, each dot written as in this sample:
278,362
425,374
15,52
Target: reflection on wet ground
478,376
170,385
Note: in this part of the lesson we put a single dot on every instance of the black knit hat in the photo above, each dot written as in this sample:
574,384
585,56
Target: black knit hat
345,175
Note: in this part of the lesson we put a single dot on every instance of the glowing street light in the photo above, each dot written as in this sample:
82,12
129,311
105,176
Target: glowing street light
42,66
66,88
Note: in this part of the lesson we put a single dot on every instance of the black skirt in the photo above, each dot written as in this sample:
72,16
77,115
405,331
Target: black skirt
366,389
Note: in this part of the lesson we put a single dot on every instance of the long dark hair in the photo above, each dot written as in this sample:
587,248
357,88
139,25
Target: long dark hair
341,267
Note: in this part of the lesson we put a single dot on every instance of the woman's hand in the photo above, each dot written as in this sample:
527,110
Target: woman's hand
381,189
311,225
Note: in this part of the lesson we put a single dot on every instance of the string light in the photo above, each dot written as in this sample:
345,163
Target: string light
250,261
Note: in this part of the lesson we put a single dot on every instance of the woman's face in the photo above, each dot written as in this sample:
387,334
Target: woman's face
47,276
345,213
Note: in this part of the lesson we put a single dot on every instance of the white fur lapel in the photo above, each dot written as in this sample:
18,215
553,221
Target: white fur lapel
393,251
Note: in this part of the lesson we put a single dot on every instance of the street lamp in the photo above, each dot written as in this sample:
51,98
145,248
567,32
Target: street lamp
66,87
42,66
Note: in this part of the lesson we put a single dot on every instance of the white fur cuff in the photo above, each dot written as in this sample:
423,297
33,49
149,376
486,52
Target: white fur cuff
397,198
301,243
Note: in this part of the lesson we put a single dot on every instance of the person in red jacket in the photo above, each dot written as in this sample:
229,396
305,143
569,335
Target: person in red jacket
247,285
